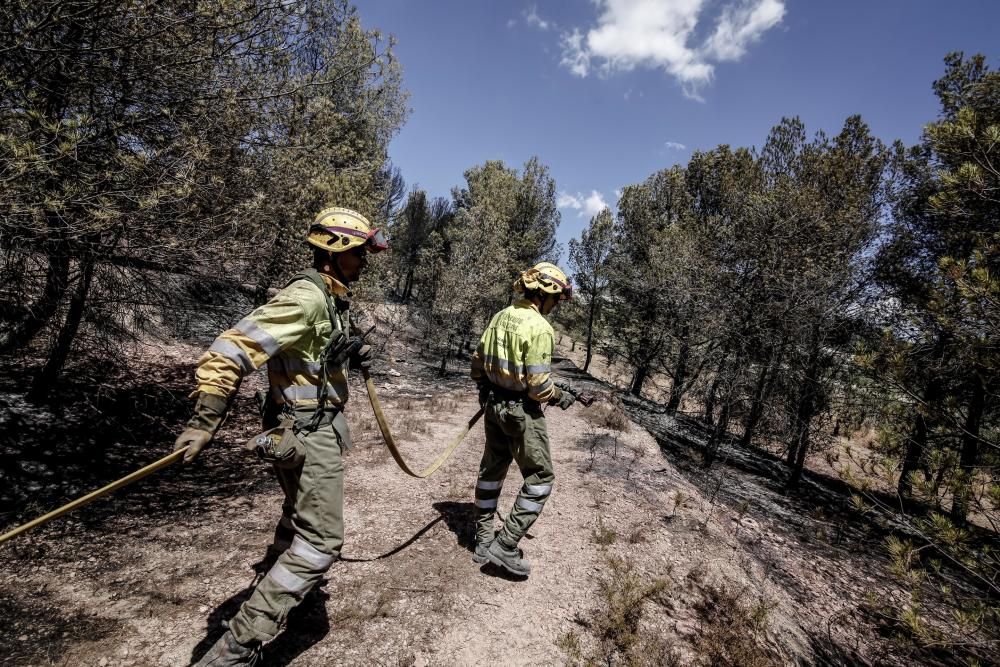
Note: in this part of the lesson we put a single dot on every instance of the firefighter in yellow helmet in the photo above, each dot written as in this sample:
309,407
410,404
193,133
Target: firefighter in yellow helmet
304,336
511,365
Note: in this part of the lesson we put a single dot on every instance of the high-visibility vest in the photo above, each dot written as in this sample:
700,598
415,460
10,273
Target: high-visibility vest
515,352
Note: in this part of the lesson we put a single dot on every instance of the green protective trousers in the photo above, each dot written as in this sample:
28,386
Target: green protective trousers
309,535
514,432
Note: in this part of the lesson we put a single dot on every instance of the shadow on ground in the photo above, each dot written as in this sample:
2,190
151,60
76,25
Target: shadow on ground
101,426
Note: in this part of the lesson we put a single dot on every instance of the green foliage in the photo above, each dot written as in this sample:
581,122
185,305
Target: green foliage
148,150
457,261
589,258
940,358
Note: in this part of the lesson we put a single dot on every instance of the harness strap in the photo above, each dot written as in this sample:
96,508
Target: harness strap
313,276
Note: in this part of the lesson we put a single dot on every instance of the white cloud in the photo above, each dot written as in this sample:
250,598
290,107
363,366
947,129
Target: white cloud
566,200
741,25
585,205
659,34
575,57
532,18
511,23
674,146
594,204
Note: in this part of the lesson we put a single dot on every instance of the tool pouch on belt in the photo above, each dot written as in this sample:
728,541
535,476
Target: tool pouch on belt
509,415
279,445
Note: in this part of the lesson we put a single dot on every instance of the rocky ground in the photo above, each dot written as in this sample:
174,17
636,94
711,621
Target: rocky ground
641,557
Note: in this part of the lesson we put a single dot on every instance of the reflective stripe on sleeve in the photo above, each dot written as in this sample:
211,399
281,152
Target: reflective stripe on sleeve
488,486
284,578
538,368
310,554
486,503
543,387
537,489
529,505
251,330
234,352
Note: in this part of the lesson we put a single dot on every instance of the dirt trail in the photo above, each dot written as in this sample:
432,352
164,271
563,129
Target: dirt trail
149,582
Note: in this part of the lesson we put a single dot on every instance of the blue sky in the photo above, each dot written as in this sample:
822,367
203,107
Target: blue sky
606,92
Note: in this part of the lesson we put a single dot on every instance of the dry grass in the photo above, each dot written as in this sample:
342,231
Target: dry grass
609,416
603,535
616,634
733,628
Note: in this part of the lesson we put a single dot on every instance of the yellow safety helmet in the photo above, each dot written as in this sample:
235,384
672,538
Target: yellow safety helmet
339,229
548,278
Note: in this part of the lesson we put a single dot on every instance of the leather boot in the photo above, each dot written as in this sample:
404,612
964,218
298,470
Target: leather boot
508,557
481,556
227,652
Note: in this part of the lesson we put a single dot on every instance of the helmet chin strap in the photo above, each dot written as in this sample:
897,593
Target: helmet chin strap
332,268
337,273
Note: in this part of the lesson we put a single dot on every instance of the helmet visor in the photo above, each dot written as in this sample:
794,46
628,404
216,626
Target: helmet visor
376,241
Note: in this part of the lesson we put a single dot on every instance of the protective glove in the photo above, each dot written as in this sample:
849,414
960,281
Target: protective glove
195,440
565,400
209,412
362,358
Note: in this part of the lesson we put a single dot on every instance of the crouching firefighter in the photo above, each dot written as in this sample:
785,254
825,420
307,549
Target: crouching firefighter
303,334
511,365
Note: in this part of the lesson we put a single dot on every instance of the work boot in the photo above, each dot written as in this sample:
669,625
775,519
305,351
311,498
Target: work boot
509,558
481,555
227,652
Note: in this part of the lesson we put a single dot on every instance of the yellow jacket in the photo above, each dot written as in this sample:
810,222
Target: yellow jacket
288,333
515,352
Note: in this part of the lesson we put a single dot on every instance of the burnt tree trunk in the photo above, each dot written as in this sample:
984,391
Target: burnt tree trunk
42,385
762,389
680,373
804,415
970,451
719,432
40,312
916,442
639,379
444,356
590,334
709,414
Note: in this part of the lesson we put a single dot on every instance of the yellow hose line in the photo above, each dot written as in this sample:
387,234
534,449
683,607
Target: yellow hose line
90,497
383,426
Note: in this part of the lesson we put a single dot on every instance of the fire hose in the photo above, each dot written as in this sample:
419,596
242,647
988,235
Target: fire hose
390,442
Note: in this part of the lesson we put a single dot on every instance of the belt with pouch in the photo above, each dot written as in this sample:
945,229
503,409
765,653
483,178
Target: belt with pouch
512,398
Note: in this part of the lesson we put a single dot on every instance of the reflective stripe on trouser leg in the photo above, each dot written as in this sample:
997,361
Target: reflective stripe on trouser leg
535,462
492,471
318,520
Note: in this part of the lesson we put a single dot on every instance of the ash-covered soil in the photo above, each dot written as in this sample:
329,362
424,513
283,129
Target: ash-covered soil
147,576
